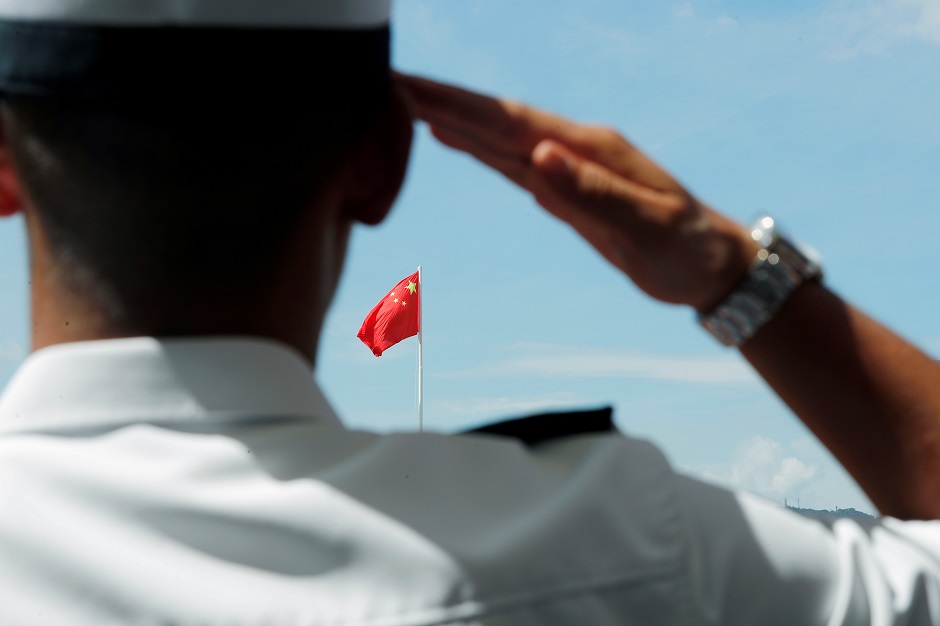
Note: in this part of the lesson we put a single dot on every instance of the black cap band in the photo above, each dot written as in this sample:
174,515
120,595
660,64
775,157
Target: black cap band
197,64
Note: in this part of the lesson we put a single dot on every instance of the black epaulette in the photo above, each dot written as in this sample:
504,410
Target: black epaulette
544,427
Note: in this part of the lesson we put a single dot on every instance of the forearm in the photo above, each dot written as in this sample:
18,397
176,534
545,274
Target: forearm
870,396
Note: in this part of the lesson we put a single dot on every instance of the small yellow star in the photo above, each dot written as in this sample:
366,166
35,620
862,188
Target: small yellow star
403,303
396,299
411,287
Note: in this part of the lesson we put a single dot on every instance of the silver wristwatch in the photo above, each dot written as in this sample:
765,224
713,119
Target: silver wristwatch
780,267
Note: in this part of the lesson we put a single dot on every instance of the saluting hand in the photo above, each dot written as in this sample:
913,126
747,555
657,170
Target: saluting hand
633,212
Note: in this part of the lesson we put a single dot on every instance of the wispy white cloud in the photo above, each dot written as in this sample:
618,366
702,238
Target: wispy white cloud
856,28
726,22
686,12
683,11
845,29
567,361
927,25
619,43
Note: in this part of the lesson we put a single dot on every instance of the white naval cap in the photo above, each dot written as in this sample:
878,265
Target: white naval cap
339,14
146,50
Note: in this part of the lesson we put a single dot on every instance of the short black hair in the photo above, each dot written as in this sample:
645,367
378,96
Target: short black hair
148,207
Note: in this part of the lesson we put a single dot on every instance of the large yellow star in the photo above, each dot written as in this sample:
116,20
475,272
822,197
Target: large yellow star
411,287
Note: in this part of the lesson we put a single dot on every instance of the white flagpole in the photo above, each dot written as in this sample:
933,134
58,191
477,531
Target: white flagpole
420,352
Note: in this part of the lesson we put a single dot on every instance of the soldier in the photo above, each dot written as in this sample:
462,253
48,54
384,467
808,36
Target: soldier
190,171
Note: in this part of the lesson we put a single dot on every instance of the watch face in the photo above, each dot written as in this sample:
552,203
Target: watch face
764,231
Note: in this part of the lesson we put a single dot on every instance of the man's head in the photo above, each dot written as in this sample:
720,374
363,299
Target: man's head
208,186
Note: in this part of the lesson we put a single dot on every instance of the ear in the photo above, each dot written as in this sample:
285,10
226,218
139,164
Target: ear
377,165
11,197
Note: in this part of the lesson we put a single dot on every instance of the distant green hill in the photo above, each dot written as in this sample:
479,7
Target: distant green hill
834,514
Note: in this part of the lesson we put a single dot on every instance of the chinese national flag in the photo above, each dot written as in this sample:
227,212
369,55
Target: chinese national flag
394,318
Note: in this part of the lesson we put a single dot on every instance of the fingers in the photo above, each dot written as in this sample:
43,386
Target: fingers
516,129
499,123
502,125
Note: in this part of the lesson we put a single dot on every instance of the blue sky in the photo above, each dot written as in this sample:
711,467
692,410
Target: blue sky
820,113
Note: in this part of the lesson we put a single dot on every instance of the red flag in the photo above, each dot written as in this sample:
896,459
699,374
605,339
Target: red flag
394,318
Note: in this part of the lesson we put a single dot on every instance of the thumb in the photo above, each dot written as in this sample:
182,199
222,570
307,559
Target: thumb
569,174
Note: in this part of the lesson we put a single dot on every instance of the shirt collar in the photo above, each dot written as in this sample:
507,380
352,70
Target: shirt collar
104,384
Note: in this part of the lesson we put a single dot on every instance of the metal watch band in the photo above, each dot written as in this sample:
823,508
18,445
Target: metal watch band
779,267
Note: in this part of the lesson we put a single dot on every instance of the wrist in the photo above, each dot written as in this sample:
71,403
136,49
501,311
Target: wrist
737,252
778,269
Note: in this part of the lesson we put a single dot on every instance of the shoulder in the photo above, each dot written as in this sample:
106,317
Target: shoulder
569,478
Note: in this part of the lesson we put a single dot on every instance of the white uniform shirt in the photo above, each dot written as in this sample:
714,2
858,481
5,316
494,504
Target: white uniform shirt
208,482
